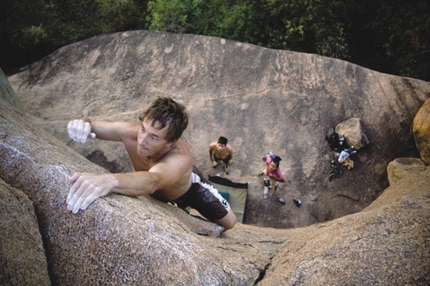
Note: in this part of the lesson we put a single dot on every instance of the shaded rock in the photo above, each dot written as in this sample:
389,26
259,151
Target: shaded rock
9,98
22,256
119,240
353,132
387,237
260,99
129,241
421,131
403,167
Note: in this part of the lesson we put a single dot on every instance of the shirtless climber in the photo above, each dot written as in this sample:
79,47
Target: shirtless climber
163,163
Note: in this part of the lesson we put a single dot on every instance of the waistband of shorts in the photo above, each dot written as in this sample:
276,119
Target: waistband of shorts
195,178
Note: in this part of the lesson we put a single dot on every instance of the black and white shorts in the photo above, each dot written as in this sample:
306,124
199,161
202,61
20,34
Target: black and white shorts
204,198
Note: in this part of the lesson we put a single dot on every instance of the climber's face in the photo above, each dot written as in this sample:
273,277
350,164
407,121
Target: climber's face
273,166
221,146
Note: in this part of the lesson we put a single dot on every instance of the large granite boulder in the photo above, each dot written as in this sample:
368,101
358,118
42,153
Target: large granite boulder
22,255
352,130
119,240
386,236
404,167
261,99
8,97
421,131
140,241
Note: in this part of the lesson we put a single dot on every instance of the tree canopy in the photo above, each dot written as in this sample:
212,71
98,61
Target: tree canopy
390,36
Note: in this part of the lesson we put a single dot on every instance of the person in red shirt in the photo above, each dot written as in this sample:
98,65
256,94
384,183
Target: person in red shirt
272,171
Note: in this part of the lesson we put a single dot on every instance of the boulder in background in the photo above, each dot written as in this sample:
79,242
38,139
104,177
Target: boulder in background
421,131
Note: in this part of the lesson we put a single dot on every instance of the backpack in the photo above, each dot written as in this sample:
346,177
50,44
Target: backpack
336,142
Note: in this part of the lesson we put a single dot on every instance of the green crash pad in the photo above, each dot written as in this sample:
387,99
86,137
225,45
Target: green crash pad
234,193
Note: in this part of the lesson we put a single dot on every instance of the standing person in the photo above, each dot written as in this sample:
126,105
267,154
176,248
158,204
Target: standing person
274,173
221,151
163,163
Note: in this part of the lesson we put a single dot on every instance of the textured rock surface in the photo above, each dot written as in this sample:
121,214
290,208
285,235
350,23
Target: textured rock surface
388,237
421,131
139,241
352,129
123,240
403,167
22,256
120,240
9,98
260,99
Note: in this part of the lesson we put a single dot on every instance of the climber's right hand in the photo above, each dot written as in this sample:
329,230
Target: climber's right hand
80,130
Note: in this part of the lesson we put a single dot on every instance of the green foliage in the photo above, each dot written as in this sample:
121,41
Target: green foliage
32,35
16,19
168,15
314,26
233,19
31,29
387,35
391,36
403,32
228,19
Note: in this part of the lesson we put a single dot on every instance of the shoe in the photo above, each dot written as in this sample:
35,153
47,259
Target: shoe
227,169
281,200
265,196
297,202
214,164
338,172
352,150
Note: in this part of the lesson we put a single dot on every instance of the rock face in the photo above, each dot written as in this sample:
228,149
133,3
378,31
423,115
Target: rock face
383,237
421,130
403,167
352,129
260,99
123,241
8,95
22,256
140,241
